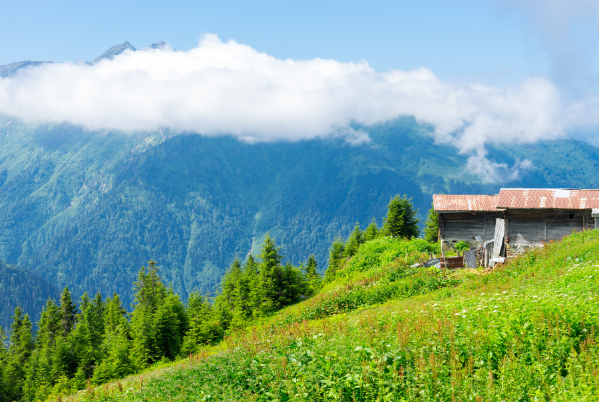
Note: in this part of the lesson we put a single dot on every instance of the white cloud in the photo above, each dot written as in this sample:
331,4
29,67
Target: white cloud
569,34
493,172
228,88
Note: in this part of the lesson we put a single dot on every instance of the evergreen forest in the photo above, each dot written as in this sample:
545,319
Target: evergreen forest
95,340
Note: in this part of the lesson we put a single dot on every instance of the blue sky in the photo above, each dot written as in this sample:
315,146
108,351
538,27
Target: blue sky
482,41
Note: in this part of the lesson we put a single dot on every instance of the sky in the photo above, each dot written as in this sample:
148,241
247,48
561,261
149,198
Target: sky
480,72
458,40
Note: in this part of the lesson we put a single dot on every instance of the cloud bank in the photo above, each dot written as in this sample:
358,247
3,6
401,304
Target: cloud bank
569,34
231,89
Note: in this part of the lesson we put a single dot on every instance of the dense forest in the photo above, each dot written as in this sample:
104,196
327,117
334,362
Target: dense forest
97,339
19,287
87,209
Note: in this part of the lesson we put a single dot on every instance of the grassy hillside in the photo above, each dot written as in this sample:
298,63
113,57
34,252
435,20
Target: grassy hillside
526,331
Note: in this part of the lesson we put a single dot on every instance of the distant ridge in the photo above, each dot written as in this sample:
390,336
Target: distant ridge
114,51
159,45
9,69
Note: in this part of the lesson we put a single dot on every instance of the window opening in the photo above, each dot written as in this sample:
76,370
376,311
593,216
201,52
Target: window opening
571,216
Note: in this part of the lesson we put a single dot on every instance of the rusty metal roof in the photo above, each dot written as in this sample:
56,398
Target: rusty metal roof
534,198
459,203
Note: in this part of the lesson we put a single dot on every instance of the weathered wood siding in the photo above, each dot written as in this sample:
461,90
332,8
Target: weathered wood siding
534,227
524,227
464,226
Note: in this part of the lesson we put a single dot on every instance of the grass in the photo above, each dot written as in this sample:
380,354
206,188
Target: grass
527,331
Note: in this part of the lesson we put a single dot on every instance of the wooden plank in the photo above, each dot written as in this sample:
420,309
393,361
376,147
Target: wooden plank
469,259
452,262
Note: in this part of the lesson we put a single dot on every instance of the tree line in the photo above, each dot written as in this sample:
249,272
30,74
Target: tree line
97,340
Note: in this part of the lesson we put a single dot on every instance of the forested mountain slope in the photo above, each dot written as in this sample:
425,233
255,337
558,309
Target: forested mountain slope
19,286
87,209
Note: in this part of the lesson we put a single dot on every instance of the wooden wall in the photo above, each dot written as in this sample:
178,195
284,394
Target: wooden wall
524,227
464,226
533,227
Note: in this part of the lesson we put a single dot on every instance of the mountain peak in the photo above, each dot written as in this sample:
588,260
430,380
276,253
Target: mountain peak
114,51
10,69
158,45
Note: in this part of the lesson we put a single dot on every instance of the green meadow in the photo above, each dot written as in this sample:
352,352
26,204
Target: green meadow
383,331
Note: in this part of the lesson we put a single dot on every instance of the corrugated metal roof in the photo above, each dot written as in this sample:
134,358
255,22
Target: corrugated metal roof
470,203
534,198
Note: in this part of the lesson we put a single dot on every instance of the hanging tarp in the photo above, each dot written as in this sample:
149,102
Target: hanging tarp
498,238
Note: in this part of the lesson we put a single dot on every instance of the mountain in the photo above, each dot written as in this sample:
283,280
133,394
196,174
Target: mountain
114,51
19,286
9,69
86,209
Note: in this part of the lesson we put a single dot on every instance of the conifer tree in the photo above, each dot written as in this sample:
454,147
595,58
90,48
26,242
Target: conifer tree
353,243
203,328
171,324
158,321
271,276
67,312
291,286
3,365
243,306
39,377
228,299
372,231
115,345
19,353
149,293
335,257
87,337
431,226
401,220
255,293
312,277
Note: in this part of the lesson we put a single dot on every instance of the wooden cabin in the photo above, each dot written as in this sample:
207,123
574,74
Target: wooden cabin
522,218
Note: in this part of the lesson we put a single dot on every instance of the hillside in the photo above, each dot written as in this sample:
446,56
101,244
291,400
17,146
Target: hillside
382,331
19,286
87,209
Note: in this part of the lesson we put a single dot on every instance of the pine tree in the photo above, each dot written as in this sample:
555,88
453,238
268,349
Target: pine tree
203,327
39,378
67,312
3,366
401,220
291,286
335,257
271,276
353,243
116,343
312,277
149,293
431,226
250,270
19,353
158,321
372,231
228,299
87,337
170,326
